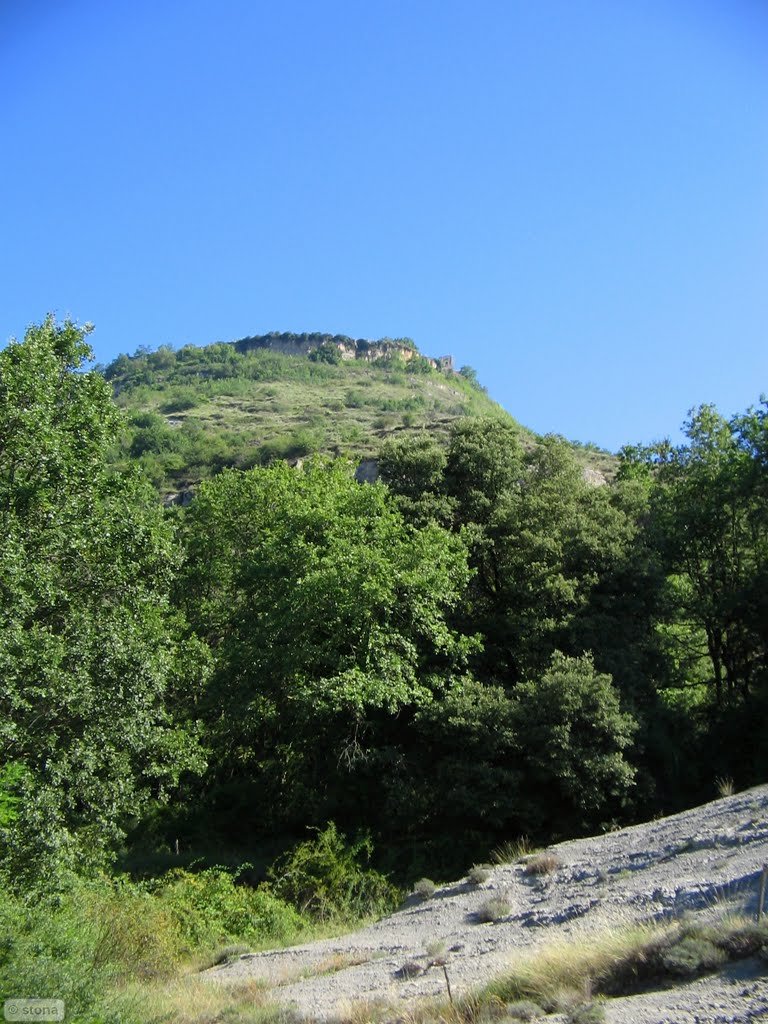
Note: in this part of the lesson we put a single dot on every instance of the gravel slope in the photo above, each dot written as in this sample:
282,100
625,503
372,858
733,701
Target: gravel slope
692,861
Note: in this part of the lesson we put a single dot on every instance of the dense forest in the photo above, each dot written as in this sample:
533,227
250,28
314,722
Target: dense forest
283,703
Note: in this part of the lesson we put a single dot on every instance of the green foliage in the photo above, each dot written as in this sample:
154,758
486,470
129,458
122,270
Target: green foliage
572,735
493,910
709,514
708,522
250,401
86,945
323,877
90,650
413,468
326,612
692,955
326,353
210,908
47,952
11,781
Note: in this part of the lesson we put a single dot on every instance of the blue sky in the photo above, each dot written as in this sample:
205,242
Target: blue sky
572,197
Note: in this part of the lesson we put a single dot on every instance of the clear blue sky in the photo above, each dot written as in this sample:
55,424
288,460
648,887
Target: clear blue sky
572,197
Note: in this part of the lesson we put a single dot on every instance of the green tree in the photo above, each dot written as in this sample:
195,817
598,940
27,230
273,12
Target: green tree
572,738
708,504
89,647
413,469
327,614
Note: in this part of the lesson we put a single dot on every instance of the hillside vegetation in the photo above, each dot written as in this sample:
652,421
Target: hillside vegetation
194,411
331,688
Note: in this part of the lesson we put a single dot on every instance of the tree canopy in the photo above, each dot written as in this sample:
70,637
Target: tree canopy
90,648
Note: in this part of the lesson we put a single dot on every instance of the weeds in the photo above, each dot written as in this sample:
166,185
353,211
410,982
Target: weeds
512,851
542,864
493,910
725,786
586,1013
620,961
479,873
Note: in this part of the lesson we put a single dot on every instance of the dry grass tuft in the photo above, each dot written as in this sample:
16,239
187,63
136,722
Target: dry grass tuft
512,850
542,864
425,888
479,873
191,1000
725,786
493,910
568,972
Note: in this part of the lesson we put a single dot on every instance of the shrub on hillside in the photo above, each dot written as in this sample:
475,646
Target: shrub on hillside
323,877
210,908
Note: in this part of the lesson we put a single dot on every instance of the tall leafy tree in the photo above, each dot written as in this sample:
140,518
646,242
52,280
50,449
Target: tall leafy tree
327,616
707,520
709,514
89,646
572,737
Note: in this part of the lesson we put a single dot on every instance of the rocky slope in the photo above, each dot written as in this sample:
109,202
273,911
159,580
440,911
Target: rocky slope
697,861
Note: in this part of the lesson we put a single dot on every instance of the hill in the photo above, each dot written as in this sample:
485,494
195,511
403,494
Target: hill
195,410
244,403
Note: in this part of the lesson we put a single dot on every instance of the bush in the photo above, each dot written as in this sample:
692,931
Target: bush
78,947
692,955
323,877
586,1013
524,1009
743,940
479,873
326,353
493,910
211,908
542,864
181,401
425,888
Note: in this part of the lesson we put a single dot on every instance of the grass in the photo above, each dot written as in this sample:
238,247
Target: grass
271,405
725,786
626,959
577,978
493,910
190,1000
574,978
479,873
120,952
425,888
542,864
513,850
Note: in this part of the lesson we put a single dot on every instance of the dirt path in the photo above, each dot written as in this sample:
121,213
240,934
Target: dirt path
692,861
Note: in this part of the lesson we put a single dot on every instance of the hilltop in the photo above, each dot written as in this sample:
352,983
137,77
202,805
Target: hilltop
195,410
